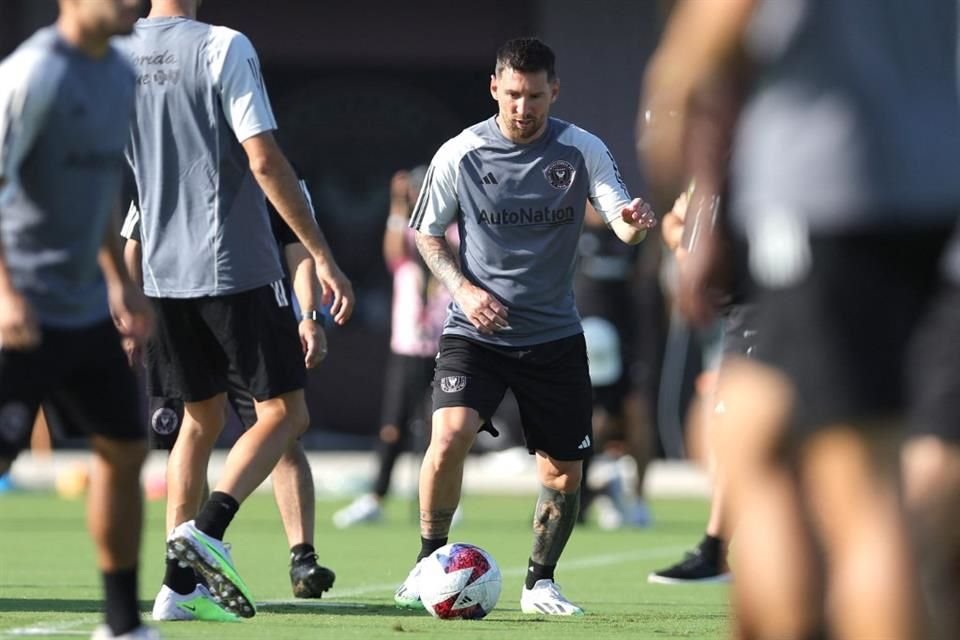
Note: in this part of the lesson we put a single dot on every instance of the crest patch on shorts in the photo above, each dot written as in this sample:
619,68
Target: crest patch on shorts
164,421
559,174
452,384
15,421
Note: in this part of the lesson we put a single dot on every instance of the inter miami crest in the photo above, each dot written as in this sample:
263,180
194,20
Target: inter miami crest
452,384
559,174
165,421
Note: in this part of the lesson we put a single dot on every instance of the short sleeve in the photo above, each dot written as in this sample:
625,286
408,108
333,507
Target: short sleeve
130,229
26,95
243,92
438,203
608,192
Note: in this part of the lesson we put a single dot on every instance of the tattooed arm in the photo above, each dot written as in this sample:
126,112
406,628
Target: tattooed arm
483,310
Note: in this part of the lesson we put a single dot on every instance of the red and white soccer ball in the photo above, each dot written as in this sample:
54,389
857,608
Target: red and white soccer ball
459,581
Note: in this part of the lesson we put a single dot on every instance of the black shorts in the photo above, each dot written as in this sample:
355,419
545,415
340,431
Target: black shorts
841,334
83,380
933,370
551,383
166,414
198,341
405,389
740,332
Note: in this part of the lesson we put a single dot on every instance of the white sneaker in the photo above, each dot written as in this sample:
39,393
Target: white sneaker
196,605
545,598
142,632
365,509
407,595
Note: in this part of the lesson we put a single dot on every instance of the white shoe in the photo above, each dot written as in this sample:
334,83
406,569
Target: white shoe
407,595
142,632
545,598
365,509
196,605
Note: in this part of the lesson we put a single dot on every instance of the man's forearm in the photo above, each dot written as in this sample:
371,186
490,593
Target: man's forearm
110,256
440,260
303,276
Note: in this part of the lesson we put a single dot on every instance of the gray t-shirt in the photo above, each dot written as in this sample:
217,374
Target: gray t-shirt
854,121
520,210
63,128
200,93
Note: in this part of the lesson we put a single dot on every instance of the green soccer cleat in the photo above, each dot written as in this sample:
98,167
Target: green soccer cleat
210,558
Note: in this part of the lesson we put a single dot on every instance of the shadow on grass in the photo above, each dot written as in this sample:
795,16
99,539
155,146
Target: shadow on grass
64,605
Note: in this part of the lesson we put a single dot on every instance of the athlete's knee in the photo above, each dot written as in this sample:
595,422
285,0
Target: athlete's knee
563,476
450,445
389,434
123,456
931,469
288,410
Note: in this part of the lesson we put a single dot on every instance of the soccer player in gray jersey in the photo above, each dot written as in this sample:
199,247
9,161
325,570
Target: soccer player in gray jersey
517,185
844,188
203,154
66,97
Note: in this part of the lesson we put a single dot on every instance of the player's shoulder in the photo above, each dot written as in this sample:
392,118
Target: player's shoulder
221,39
37,59
454,149
575,136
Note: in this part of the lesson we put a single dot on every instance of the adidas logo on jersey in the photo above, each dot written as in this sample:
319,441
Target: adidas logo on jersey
489,179
585,444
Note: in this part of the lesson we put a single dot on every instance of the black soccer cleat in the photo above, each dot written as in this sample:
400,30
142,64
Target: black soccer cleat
695,568
309,579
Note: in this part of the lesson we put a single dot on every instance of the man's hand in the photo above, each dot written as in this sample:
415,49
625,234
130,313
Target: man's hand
673,221
19,330
400,188
313,339
132,315
336,290
482,309
639,214
698,297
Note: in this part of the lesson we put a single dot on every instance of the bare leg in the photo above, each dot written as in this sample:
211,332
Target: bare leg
187,464
870,569
932,480
115,502
280,420
294,492
776,585
441,475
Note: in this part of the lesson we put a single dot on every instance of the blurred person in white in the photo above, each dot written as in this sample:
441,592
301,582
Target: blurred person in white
419,308
843,187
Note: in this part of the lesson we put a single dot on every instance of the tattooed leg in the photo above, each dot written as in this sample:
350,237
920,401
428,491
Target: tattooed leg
553,522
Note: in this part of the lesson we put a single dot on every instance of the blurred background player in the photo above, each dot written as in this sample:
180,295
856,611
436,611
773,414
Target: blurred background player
203,154
517,186
842,184
66,98
419,310
292,478
604,287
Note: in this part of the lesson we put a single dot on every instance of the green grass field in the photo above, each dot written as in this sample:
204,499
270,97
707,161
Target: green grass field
49,588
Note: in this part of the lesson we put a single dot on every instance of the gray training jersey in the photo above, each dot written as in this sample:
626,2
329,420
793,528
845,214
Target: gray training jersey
63,128
200,93
520,210
854,121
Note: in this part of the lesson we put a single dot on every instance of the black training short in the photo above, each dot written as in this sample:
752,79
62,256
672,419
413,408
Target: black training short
933,370
405,389
83,380
197,341
551,383
841,334
166,414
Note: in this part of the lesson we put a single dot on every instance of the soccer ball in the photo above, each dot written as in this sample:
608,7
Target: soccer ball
459,581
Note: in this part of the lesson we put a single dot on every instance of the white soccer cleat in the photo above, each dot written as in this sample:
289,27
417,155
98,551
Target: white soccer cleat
407,595
545,598
364,510
196,605
142,632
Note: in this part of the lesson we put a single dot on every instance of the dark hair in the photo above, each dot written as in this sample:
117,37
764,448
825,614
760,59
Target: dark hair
528,55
